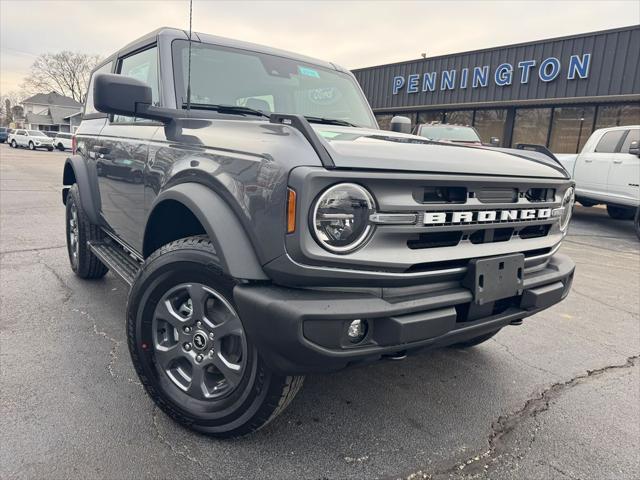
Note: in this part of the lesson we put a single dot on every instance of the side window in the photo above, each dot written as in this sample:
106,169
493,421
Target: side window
88,105
633,136
609,141
142,66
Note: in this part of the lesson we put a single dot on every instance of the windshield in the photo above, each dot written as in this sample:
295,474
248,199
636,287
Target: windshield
36,133
451,133
269,83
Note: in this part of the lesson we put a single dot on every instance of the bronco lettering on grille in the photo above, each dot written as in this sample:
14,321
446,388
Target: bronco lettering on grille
486,216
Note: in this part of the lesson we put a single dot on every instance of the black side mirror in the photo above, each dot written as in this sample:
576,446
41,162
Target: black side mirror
120,95
634,149
401,124
494,141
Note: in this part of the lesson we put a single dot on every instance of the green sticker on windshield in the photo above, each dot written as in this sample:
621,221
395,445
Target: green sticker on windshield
309,72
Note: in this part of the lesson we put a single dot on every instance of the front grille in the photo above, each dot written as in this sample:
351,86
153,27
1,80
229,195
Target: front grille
497,195
444,195
486,235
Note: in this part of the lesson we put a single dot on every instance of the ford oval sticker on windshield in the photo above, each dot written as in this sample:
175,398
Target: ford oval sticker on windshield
309,72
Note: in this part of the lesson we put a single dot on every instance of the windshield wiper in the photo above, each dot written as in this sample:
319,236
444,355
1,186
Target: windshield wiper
330,121
227,109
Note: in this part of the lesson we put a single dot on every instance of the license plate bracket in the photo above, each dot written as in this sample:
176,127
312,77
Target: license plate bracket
495,278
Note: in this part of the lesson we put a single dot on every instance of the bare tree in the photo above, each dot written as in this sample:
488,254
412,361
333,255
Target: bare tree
9,107
66,73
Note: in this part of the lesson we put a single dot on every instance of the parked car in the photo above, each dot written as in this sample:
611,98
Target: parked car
63,141
31,139
263,246
4,134
607,171
448,132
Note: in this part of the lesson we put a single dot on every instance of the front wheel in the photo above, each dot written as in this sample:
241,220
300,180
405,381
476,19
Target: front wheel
61,147
50,149
620,213
190,349
32,146
80,231
14,144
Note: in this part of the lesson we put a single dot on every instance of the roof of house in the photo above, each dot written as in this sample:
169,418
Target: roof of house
58,114
35,119
52,98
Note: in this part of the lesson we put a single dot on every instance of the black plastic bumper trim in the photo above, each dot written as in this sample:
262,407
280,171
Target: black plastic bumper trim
274,318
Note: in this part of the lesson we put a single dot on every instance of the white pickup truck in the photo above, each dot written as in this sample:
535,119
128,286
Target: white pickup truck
607,171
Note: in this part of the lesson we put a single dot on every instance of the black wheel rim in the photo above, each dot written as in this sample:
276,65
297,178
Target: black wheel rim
199,342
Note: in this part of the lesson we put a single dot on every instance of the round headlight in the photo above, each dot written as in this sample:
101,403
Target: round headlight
340,217
567,208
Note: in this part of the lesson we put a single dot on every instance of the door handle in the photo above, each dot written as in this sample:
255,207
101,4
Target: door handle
617,161
588,161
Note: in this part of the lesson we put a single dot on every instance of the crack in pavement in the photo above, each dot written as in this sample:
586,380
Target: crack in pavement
505,424
521,360
35,249
59,278
113,353
562,472
600,247
174,449
604,304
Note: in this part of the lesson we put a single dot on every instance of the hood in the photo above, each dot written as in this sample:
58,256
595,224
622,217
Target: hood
383,150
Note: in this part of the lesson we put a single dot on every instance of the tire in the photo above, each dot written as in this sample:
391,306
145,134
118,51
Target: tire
50,149
636,222
32,146
14,144
472,342
80,231
586,203
620,213
60,147
162,341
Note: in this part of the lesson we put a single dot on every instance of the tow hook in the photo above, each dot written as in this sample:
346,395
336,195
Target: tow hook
516,322
401,355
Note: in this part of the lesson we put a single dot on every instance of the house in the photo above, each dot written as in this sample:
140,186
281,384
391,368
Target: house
51,112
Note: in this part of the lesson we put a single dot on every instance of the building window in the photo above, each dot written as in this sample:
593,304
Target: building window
570,128
384,120
430,116
459,117
531,125
618,115
490,123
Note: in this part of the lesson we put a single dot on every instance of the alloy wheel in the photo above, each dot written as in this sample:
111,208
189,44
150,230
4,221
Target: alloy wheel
74,244
198,341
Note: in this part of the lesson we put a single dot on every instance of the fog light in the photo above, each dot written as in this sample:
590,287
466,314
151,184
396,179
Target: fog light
357,331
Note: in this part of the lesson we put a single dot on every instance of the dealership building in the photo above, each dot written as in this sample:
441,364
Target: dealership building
551,92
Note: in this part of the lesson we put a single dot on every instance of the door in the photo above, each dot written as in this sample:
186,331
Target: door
592,167
121,154
22,139
624,174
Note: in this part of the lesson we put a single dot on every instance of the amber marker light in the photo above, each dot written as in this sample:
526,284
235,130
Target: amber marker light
291,211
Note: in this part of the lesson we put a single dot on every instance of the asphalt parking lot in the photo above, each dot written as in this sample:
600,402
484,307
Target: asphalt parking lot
558,397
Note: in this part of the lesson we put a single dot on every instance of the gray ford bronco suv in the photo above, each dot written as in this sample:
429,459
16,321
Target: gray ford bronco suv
268,228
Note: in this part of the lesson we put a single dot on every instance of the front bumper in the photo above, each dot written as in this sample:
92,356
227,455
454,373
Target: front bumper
304,330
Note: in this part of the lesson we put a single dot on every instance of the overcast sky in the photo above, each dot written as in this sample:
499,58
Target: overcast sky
351,33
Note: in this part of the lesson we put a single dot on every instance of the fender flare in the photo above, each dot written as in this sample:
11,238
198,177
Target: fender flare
87,199
234,249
